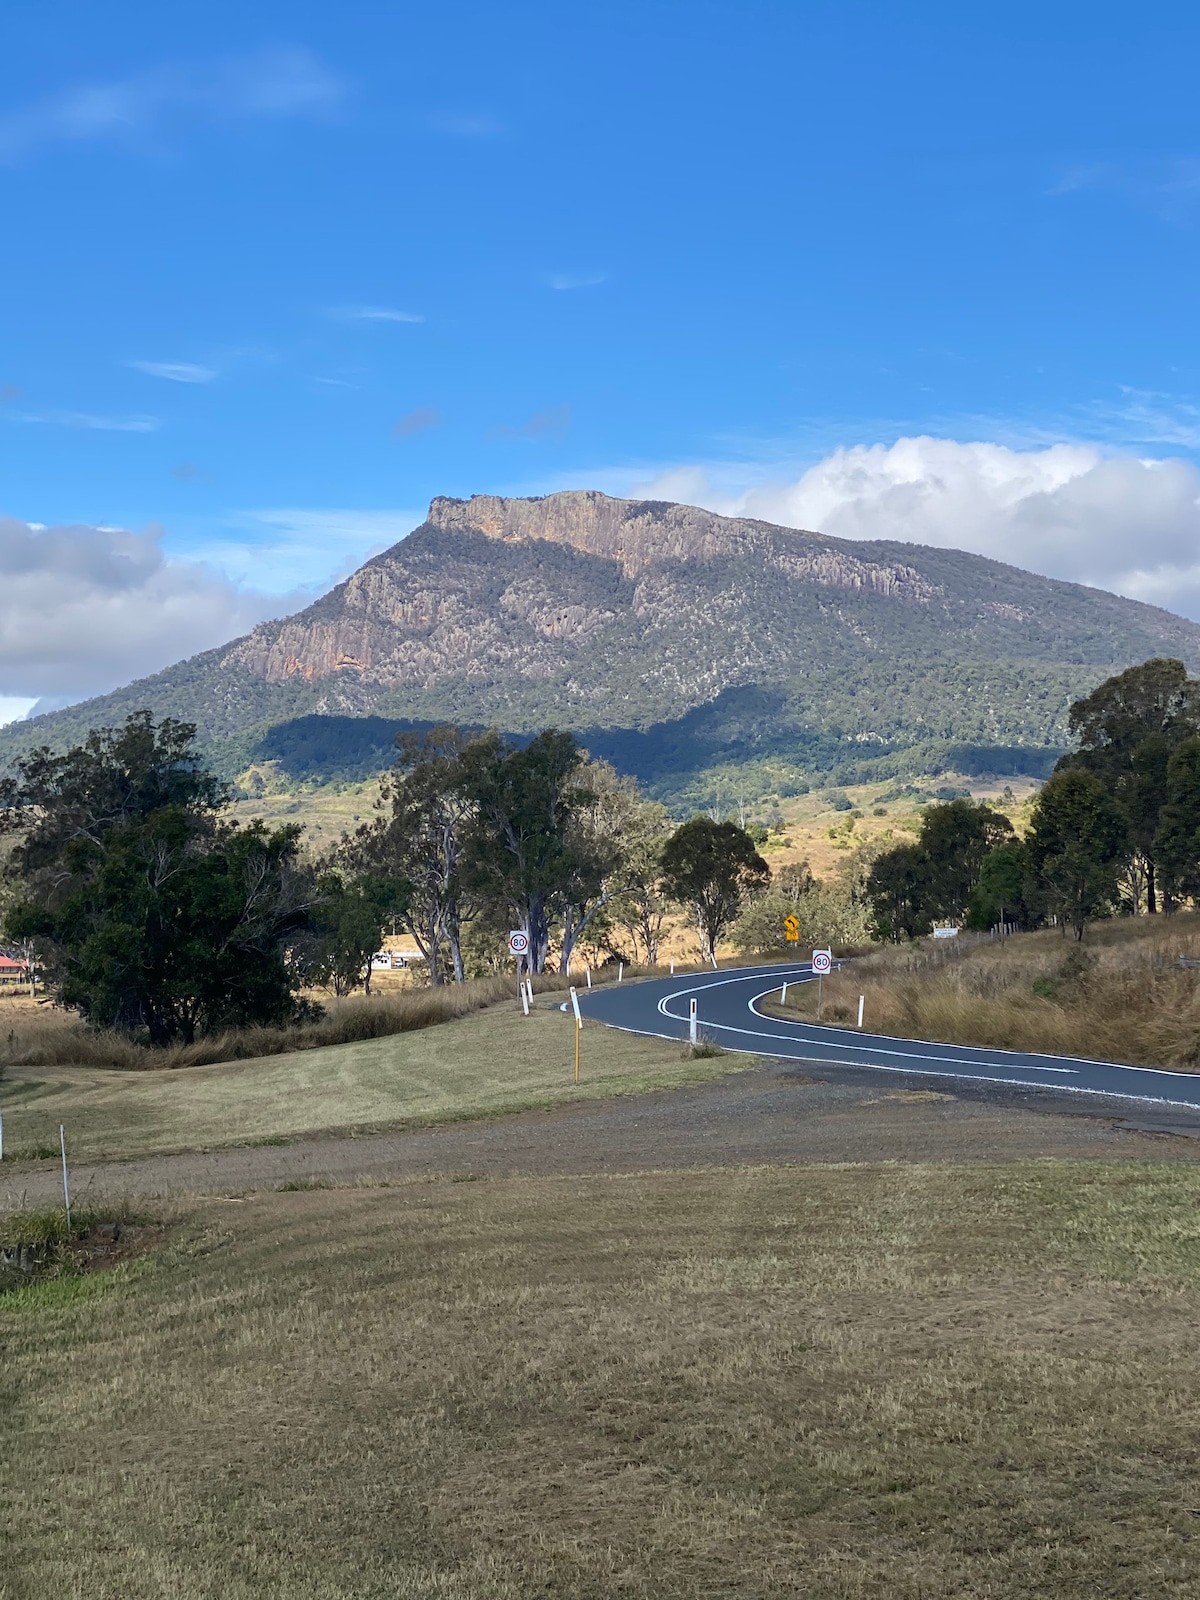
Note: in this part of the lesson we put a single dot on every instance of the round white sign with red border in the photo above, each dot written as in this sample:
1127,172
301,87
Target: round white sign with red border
518,942
822,962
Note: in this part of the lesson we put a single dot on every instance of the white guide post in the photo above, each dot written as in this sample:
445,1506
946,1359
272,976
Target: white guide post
862,1000
783,994
524,999
588,970
620,970
692,1021
62,1143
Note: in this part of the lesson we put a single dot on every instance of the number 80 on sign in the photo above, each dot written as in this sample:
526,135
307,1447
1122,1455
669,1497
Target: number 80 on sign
822,962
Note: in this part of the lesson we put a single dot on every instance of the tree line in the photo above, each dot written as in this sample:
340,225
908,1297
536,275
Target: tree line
1114,830
152,910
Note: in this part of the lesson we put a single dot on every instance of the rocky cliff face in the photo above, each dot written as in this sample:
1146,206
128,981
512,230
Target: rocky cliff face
433,604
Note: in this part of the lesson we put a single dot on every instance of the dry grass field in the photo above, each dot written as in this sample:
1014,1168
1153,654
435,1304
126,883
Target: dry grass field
903,1382
479,1065
1121,995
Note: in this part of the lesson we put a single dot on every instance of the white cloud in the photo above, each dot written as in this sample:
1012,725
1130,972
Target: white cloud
374,314
1117,522
575,280
270,85
84,419
174,371
83,609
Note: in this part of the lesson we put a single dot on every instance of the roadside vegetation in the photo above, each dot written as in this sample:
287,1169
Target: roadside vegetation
177,935
170,935
1115,830
1121,995
864,1383
59,1038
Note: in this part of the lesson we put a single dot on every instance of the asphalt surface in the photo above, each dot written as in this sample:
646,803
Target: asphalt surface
729,1011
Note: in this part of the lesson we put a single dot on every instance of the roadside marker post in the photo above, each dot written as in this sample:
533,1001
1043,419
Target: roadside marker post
524,999
672,966
620,970
783,994
692,1021
588,970
862,1000
62,1144
578,1029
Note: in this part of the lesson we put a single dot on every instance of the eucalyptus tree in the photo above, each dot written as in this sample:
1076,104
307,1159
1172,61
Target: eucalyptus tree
414,850
1077,840
528,848
712,868
1127,730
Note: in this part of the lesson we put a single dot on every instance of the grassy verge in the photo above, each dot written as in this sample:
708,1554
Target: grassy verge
860,1382
491,1062
1119,996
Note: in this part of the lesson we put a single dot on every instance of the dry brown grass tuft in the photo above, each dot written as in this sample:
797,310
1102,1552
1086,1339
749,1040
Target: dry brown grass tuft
48,1038
868,1383
1119,996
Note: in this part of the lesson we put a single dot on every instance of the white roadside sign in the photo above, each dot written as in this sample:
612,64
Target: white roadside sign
822,962
518,942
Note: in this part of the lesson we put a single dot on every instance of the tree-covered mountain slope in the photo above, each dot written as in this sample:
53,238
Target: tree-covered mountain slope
670,634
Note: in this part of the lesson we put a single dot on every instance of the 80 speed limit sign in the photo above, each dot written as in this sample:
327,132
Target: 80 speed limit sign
822,962
518,942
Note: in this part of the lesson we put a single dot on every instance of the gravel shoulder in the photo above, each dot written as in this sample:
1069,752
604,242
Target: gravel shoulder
773,1113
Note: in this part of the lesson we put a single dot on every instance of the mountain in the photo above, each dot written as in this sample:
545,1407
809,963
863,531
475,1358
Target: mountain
679,642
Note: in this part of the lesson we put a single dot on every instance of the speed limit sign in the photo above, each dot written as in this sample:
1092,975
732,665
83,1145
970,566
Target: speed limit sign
822,962
518,942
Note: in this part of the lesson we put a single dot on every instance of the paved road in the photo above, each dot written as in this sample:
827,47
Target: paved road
729,1012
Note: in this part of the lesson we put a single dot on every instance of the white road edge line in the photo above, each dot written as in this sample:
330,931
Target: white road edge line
913,1072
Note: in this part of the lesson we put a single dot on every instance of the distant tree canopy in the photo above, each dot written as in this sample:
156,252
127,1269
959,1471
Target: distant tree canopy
1128,730
1116,827
483,833
932,879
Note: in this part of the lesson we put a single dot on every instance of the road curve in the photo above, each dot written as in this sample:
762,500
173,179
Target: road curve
729,1012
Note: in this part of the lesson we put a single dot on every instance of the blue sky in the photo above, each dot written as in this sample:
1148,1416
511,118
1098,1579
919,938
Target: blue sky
274,275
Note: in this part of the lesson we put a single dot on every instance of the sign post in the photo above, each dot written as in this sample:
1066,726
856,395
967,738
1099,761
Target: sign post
822,962
518,948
